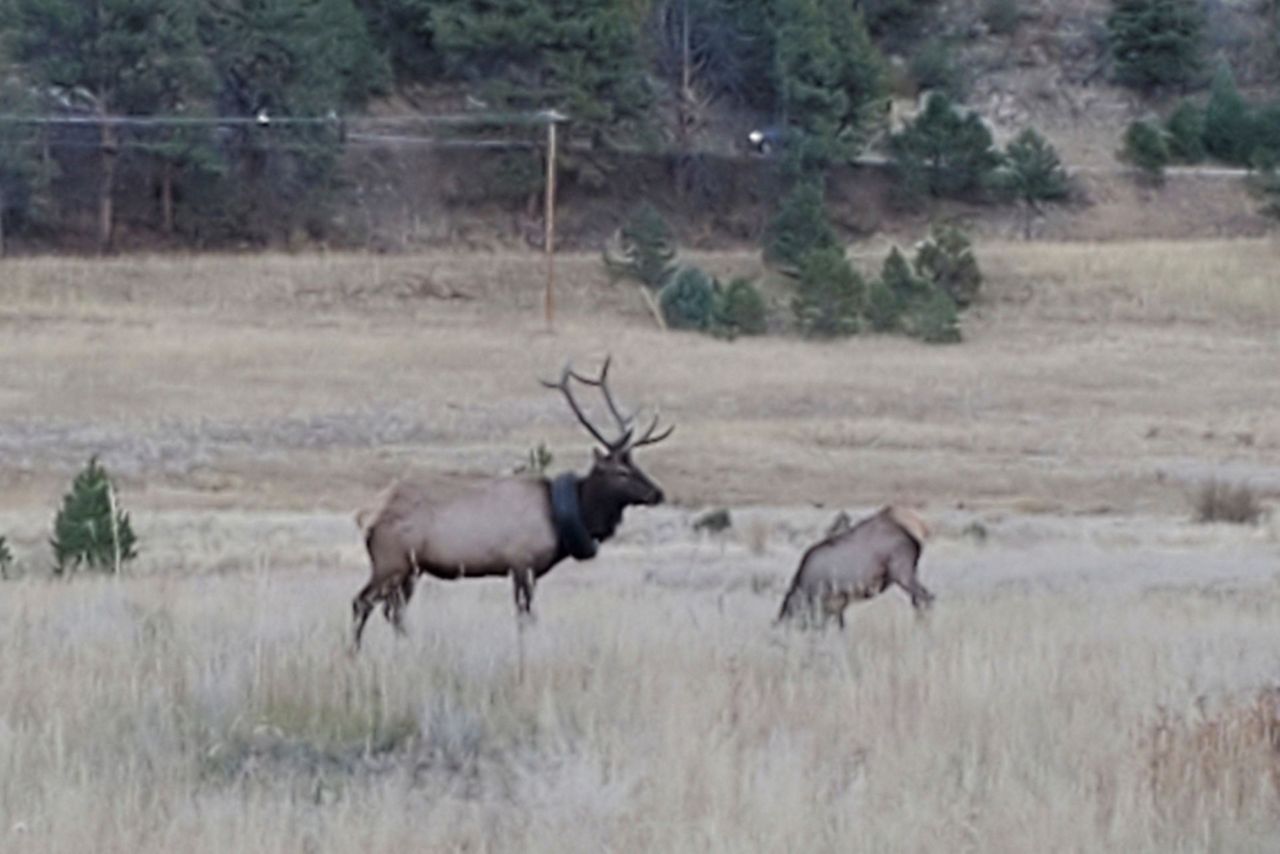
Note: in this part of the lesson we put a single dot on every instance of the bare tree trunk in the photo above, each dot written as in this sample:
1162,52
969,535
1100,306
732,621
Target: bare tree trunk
166,196
106,186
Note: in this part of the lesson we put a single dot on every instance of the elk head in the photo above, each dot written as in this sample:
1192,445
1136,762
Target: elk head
615,481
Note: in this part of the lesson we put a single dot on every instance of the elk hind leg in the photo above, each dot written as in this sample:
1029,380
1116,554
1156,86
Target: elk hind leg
394,602
361,607
522,584
902,571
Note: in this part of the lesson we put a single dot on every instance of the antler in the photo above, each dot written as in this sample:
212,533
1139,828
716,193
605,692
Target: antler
626,423
563,387
648,438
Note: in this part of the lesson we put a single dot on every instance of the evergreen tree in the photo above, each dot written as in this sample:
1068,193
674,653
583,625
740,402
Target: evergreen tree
90,529
131,57
944,152
1145,147
799,226
21,175
581,57
1228,123
946,261
1157,43
1032,173
645,250
306,60
830,295
829,79
1185,128
6,558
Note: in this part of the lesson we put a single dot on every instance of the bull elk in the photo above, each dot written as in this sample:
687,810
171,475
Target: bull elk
516,526
858,562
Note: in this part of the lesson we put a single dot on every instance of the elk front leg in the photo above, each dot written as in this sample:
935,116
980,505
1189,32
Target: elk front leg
902,570
361,607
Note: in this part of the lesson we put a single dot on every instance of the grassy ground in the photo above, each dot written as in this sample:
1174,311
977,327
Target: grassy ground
1092,678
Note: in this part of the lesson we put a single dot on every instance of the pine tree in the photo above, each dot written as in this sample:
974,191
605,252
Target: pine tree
22,177
6,558
302,59
830,295
1146,148
131,57
1185,128
945,152
645,249
90,529
829,79
799,226
1157,43
1228,123
1032,173
581,57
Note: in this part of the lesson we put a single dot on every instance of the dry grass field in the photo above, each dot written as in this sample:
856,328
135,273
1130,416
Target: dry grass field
1097,675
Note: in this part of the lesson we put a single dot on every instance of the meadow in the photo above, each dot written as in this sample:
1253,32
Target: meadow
1099,672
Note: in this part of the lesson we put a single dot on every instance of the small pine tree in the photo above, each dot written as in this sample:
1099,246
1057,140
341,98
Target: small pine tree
688,300
1185,129
6,558
946,260
944,152
645,250
741,310
799,227
1032,173
90,529
933,319
1145,148
1228,124
898,288
830,296
1156,43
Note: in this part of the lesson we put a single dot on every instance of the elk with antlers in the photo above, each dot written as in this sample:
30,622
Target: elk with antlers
516,526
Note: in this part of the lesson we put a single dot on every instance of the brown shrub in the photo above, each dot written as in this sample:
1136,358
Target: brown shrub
1222,502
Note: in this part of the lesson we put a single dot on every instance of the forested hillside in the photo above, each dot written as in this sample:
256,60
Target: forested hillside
248,122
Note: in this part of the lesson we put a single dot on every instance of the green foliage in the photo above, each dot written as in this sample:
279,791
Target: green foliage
688,300
6,558
897,288
1001,16
946,260
935,67
740,310
515,176
944,152
23,177
1032,172
581,57
830,295
934,319
538,460
85,530
1146,149
829,77
645,249
1157,43
799,227
897,21
1185,131
1228,123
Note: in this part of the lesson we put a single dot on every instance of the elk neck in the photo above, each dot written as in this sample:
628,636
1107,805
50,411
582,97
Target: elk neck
601,507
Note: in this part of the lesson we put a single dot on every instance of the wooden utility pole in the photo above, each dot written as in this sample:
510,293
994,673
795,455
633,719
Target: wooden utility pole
549,241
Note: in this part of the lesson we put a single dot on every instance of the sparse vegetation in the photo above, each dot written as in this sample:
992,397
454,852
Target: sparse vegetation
90,530
1002,16
1219,501
538,461
714,521
934,68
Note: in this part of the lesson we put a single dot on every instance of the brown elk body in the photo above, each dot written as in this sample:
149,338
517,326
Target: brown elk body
858,563
516,526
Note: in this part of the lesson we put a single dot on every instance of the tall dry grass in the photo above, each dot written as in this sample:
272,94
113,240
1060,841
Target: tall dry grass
220,714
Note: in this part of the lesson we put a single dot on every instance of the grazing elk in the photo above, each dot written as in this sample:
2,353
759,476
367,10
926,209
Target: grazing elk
858,562
517,526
